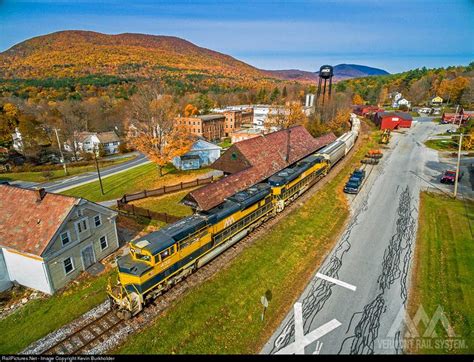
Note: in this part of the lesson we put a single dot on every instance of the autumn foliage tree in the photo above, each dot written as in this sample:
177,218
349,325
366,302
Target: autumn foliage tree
155,131
453,89
290,115
357,99
190,110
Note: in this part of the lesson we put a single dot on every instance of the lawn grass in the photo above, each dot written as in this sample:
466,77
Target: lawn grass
223,314
226,143
39,176
166,204
137,179
42,316
444,267
442,145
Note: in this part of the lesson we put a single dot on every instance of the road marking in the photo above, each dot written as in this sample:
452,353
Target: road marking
302,340
336,281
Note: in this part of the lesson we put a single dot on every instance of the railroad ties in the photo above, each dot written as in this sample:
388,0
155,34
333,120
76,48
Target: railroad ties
96,331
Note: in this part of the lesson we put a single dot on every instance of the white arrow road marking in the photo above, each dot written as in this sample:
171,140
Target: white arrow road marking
336,281
302,340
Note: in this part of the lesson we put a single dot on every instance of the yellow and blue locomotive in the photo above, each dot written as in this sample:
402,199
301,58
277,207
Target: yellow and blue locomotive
163,258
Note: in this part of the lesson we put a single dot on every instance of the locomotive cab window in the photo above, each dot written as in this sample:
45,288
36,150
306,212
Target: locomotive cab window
142,257
165,254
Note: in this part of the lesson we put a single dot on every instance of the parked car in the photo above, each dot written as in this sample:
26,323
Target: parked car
449,177
352,188
452,130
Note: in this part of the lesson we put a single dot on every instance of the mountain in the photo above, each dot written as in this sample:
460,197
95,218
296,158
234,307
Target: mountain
74,54
341,71
295,74
83,53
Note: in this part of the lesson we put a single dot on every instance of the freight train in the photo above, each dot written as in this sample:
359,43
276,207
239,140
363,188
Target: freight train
163,258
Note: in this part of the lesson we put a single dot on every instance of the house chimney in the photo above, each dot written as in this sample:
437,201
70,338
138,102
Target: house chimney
40,194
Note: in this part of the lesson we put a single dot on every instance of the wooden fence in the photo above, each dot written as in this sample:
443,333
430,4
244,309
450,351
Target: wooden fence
140,211
164,190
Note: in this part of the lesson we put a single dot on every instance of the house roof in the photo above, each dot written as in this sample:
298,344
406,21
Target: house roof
254,160
404,115
28,225
81,136
210,117
106,137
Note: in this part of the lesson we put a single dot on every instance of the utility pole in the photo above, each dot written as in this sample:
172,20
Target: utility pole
457,166
98,172
61,152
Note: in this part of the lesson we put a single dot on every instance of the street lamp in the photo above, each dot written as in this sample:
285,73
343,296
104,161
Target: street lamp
457,166
98,171
61,152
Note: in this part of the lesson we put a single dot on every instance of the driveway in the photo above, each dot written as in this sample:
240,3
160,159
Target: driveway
356,301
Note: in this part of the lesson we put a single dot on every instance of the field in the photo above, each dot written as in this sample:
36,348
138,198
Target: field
223,314
442,145
444,268
136,179
42,316
39,176
166,204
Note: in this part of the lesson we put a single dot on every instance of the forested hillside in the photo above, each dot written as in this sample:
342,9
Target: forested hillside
454,84
74,62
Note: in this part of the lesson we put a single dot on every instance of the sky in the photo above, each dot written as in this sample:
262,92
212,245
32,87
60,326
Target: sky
293,34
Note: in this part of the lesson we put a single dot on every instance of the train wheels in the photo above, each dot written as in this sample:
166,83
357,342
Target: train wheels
280,205
124,314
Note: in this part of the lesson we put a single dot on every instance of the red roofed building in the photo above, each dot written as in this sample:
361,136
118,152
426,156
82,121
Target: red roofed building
363,110
254,160
47,239
455,118
393,120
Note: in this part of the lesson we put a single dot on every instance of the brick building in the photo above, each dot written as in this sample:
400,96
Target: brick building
210,127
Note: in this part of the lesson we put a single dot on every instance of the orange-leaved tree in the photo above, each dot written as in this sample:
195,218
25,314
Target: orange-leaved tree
154,130
357,99
190,110
290,115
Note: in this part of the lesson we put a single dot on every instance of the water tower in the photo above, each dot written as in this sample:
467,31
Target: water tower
326,73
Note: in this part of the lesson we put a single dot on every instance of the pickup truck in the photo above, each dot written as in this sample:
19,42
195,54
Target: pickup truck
355,180
358,172
449,176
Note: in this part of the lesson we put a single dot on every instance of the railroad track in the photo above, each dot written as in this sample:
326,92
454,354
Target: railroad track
95,331
109,326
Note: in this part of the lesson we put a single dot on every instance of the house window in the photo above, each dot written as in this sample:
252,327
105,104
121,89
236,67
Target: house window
103,242
82,225
68,265
97,220
65,238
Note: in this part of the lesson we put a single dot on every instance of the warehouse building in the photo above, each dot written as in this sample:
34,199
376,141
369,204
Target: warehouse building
47,240
393,120
251,161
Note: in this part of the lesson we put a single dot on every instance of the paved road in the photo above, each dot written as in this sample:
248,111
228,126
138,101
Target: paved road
74,181
373,258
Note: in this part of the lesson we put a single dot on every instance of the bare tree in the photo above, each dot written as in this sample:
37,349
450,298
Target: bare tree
72,122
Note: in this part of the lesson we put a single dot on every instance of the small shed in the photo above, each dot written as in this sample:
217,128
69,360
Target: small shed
202,154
